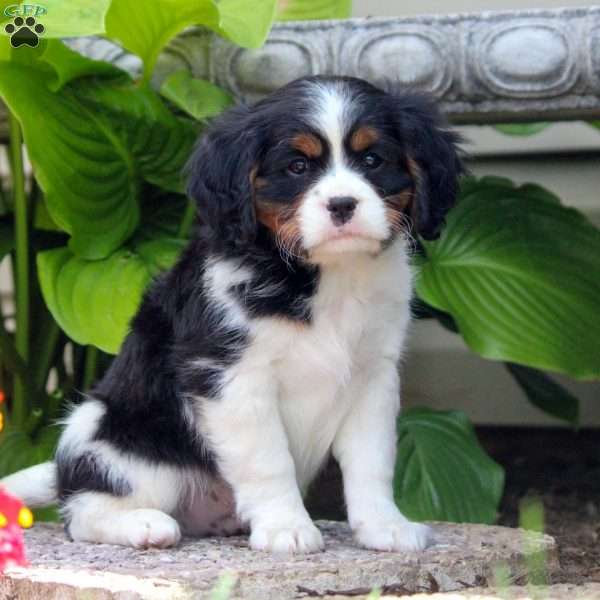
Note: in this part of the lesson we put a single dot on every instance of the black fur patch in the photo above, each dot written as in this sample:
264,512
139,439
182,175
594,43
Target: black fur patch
86,473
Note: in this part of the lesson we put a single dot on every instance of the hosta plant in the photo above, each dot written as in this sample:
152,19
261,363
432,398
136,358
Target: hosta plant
515,272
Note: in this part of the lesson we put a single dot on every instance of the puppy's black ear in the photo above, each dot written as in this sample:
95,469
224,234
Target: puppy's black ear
433,159
220,175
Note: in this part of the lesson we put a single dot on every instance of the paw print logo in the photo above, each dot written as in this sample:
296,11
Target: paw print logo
24,32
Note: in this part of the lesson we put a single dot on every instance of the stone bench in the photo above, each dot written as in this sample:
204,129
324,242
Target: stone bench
463,557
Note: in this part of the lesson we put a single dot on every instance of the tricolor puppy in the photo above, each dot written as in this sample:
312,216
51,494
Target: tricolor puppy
275,340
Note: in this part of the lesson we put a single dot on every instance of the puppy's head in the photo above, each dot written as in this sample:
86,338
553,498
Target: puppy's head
327,167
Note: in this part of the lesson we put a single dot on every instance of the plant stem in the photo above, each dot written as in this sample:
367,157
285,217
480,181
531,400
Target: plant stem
90,367
10,356
188,220
45,356
20,400
3,202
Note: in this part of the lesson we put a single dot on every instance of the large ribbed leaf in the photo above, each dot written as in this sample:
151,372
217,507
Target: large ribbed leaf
88,177
93,301
144,28
302,10
197,97
545,393
442,473
68,18
158,142
91,145
520,275
246,23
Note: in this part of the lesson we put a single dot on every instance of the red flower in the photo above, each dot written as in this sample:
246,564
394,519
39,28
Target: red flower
13,516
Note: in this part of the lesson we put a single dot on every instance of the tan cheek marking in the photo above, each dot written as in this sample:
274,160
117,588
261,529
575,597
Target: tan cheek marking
400,201
362,138
268,214
415,171
308,144
282,221
396,209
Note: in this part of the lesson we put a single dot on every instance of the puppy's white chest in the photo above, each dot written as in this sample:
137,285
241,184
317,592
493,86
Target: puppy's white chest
320,362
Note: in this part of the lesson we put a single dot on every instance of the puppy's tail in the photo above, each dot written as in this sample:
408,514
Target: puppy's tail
35,486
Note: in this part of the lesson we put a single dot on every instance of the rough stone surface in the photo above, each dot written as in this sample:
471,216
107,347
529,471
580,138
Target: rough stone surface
587,591
464,556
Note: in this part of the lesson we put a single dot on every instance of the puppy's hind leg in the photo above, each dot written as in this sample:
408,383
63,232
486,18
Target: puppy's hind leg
103,518
110,496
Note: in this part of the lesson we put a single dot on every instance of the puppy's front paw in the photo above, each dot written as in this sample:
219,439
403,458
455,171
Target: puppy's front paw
297,538
148,528
397,535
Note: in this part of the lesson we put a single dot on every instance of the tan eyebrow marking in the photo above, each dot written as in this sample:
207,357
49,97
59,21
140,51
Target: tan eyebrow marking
308,144
362,138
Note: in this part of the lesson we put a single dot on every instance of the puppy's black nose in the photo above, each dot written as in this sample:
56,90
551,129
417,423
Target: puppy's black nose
341,209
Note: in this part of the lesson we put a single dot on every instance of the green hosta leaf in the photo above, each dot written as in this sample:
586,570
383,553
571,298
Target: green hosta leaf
69,19
5,49
303,10
521,129
49,514
42,219
595,124
69,65
246,23
88,176
159,142
162,213
520,275
544,393
93,301
104,139
3,5
200,99
60,64
442,473
18,450
144,28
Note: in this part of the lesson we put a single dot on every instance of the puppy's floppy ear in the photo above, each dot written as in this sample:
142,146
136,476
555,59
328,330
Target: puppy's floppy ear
433,159
220,176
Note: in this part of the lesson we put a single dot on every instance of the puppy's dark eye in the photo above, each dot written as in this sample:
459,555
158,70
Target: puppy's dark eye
370,160
298,166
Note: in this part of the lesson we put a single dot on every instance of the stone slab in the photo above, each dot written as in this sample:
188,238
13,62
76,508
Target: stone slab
562,591
463,556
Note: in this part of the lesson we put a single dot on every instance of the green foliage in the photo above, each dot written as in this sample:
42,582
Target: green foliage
531,519
520,275
301,10
198,98
19,450
106,212
68,19
546,394
515,273
521,129
442,473
107,138
93,301
144,28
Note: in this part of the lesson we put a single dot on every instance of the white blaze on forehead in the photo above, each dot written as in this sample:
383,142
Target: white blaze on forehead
332,116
